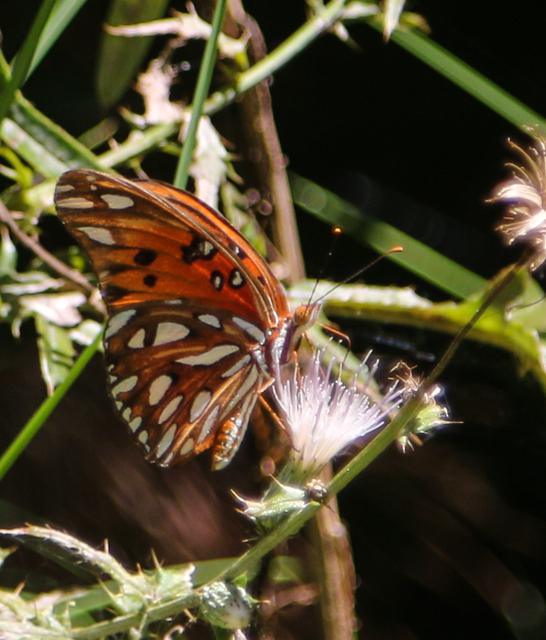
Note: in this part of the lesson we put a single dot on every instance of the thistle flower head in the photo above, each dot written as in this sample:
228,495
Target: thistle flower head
525,193
433,414
323,416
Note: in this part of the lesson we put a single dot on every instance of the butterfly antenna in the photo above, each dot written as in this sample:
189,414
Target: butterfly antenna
517,307
391,251
336,232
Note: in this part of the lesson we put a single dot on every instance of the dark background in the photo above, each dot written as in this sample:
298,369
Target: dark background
449,542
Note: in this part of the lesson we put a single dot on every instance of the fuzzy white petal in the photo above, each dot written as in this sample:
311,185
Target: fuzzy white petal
324,416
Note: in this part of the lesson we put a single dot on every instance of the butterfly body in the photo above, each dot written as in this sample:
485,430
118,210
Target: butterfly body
198,324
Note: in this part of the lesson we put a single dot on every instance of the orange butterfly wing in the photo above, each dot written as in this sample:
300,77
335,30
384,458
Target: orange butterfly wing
195,312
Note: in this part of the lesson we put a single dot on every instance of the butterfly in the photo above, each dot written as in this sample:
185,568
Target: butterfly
198,325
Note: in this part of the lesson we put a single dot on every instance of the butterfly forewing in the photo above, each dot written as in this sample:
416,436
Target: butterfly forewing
193,310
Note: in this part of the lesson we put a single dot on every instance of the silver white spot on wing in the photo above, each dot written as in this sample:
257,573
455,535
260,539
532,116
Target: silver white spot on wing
76,203
165,441
159,388
169,409
118,404
247,385
237,366
126,415
212,321
170,332
137,340
236,279
125,385
115,201
118,321
135,423
208,424
102,236
217,281
212,356
206,248
143,437
63,188
250,329
186,447
199,404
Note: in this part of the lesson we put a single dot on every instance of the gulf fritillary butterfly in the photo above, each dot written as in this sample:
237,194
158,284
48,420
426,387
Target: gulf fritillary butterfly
198,324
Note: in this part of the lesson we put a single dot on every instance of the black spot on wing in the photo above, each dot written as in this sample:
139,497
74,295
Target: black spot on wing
145,257
111,292
198,249
150,280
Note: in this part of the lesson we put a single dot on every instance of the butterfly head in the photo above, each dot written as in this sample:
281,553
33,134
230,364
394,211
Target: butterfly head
303,317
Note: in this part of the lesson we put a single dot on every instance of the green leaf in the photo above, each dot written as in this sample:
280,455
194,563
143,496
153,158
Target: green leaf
34,153
60,17
8,253
417,257
52,137
56,352
120,58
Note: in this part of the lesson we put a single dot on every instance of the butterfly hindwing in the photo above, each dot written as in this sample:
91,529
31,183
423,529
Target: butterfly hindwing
173,393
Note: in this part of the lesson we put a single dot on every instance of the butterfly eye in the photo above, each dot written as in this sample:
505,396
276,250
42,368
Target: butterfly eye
306,314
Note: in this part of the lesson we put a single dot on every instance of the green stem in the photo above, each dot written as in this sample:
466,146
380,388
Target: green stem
32,427
23,59
201,92
123,623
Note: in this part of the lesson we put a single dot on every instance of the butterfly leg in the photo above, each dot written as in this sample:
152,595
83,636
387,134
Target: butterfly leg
230,435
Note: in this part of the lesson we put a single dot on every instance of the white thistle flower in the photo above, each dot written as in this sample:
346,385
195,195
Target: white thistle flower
324,416
525,192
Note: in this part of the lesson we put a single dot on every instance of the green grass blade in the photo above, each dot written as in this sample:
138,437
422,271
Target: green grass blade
50,135
121,53
465,77
21,62
201,91
32,427
59,19
380,236
35,154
